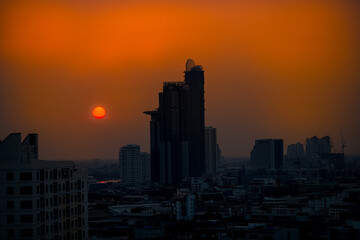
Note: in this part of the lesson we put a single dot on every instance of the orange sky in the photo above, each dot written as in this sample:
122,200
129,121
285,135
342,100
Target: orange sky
273,69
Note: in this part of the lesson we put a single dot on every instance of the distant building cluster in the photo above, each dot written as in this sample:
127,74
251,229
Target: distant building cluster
268,154
40,199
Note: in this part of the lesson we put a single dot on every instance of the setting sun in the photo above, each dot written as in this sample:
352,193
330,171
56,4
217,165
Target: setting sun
99,112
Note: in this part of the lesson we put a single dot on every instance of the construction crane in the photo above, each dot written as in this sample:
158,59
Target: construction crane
343,145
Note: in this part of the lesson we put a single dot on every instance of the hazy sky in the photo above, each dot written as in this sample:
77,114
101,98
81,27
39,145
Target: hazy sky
273,69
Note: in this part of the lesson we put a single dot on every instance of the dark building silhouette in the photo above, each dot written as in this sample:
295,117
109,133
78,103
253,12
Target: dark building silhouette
267,154
315,147
212,156
295,156
177,129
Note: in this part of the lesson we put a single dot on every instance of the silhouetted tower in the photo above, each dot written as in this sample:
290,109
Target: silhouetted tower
315,147
267,154
155,145
194,78
211,150
177,129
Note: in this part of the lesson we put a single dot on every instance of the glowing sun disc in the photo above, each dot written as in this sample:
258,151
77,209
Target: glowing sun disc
99,112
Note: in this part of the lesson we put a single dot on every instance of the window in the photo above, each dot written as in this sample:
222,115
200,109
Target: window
26,190
11,233
42,202
42,174
10,191
25,176
26,218
10,219
56,215
26,233
26,204
9,176
42,188
10,205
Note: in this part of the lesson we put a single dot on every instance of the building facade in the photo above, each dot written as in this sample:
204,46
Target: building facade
183,208
40,199
295,156
211,150
315,147
177,129
267,154
134,165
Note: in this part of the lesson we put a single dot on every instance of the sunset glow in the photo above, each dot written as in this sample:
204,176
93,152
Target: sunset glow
284,69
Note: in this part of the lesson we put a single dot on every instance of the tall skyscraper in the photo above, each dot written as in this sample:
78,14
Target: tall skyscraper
267,154
211,150
134,165
177,129
315,147
40,199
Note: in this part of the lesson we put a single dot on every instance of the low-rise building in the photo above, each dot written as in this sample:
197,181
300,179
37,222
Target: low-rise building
40,199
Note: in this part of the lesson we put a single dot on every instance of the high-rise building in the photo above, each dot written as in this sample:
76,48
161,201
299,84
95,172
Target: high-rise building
145,167
267,154
177,129
134,165
211,150
295,155
40,199
315,147
219,156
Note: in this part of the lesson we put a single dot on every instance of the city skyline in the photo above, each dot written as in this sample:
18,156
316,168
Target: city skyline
265,77
179,119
